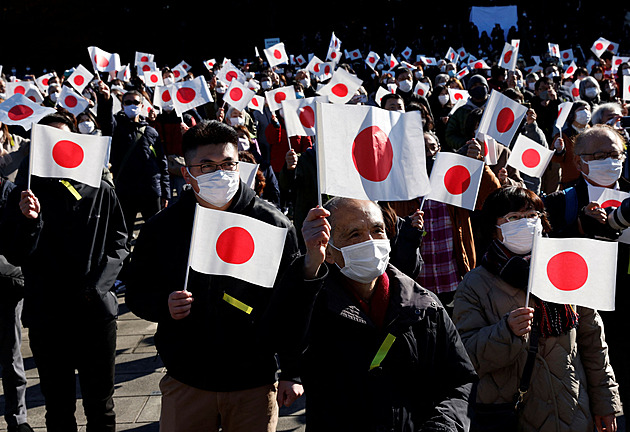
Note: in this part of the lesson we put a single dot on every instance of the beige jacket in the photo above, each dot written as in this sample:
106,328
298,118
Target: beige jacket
572,378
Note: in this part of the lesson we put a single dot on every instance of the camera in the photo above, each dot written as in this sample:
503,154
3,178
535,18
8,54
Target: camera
619,218
624,122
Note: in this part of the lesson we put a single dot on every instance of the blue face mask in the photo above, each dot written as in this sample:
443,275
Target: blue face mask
299,95
132,110
451,73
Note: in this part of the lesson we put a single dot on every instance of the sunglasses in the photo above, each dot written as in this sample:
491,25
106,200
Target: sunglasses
131,102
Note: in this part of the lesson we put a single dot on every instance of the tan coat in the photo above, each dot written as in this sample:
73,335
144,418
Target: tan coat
572,378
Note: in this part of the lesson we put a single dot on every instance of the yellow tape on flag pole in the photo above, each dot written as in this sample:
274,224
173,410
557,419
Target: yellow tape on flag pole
383,350
237,303
72,190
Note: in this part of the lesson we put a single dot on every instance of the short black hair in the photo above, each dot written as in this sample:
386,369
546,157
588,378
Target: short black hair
391,96
207,132
60,117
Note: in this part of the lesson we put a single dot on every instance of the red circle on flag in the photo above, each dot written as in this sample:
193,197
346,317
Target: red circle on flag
255,102
176,73
611,47
307,117
45,81
236,94
392,64
68,154
101,61
530,158
575,92
20,112
20,89
457,180
279,97
462,53
340,90
355,55
186,95
478,65
154,78
507,57
485,149
316,67
565,55
71,101
505,120
372,154
277,54
599,46
458,96
79,80
567,271
610,203
235,246
166,96
185,66
231,75
146,68
327,69
570,71
144,59
371,59
333,55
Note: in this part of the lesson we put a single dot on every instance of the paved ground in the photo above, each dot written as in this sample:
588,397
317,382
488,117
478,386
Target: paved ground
138,372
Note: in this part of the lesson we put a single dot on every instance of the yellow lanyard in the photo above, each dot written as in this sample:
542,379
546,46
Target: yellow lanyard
383,350
237,303
72,190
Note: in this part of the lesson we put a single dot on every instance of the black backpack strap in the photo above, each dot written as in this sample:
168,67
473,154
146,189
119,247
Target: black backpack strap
526,378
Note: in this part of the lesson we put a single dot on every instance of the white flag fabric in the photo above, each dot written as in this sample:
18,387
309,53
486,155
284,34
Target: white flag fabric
606,198
143,58
323,71
479,64
315,61
406,53
124,74
570,70
509,57
567,55
190,94
576,271
209,64
276,54
21,111
59,154
229,72
369,153
617,61
380,92
575,90
103,61
600,46
257,103
488,149
72,101
462,73
372,59
184,65
335,42
515,43
235,245
392,62
146,67
451,55
455,180
462,53
554,49
34,94
355,55
238,95
247,171
80,78
178,73
153,78
333,55
626,87
455,95
341,87
42,82
299,115
563,113
300,60
529,157
501,118
276,96
421,89
18,87
162,97
429,61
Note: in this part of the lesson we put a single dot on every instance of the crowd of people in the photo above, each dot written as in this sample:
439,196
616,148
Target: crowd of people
390,315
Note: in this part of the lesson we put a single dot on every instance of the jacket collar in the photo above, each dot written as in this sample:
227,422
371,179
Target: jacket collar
243,198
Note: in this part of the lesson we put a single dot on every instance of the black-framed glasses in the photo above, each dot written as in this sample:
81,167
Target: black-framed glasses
603,155
529,214
209,167
131,102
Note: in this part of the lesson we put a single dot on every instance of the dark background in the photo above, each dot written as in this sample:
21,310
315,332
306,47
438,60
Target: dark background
55,35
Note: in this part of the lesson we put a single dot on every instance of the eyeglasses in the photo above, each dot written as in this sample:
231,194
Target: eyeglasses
208,167
131,102
587,157
529,214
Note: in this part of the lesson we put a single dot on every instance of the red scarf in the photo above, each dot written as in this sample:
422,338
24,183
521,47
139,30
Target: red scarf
376,307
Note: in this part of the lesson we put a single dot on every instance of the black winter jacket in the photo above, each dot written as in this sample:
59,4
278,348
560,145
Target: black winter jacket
217,347
424,381
11,278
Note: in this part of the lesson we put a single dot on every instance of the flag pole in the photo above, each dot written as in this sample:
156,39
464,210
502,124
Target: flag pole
532,266
190,248
424,198
318,151
30,161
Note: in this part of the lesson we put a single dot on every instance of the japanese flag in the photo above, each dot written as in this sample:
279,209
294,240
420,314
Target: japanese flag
456,95
34,94
501,118
143,58
276,96
462,53
508,57
406,53
618,61
429,61
19,110
80,78
229,72
162,97
576,271
103,61
333,55
479,64
257,103
300,60
529,157
455,180
72,101
341,87
613,47
315,61
59,154
370,153
451,55
488,149
184,65
575,90
179,73
153,79
462,73
392,62
230,244
190,94
471,59
372,59
380,92
42,82
247,171
323,71
141,68
563,113
516,43
124,74
626,87
18,87
335,42
238,95
600,46
570,70
299,115
606,198
209,64
554,49
421,89
276,55
567,55
355,55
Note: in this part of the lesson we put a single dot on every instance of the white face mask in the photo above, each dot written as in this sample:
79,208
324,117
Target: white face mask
405,85
531,86
236,121
598,76
132,110
168,81
266,85
604,172
53,97
518,236
305,83
590,92
443,99
365,261
583,117
217,188
86,127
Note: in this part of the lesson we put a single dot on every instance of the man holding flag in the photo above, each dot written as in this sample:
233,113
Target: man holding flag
221,368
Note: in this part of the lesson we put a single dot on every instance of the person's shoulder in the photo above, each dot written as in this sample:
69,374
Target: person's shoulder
477,278
269,213
412,294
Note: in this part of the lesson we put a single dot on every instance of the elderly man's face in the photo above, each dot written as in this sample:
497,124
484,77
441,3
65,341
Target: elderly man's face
597,147
608,115
356,221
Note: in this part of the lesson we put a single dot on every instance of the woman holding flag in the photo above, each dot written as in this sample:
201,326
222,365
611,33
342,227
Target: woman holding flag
551,358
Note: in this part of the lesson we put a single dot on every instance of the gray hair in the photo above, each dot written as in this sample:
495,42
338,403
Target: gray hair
599,112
